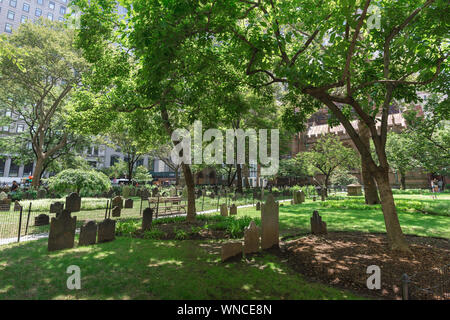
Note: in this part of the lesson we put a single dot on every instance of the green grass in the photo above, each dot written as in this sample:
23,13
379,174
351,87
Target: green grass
149,269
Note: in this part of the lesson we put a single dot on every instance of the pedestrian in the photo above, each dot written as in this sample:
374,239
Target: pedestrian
440,183
434,188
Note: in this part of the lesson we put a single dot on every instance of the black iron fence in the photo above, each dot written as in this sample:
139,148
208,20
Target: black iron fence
438,289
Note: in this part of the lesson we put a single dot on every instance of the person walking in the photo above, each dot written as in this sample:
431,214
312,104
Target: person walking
440,183
434,188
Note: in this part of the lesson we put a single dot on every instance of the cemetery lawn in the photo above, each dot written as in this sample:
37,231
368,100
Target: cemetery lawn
130,268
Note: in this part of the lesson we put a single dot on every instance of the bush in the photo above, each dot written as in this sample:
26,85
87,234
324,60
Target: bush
154,234
88,181
126,227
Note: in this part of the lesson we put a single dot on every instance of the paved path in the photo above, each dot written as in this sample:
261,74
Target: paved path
38,236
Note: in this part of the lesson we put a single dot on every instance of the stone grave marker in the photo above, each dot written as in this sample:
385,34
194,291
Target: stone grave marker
223,210
129,203
41,194
88,233
145,194
269,224
5,204
117,202
231,250
147,217
116,212
258,206
106,231
233,210
317,225
56,207
73,202
17,205
62,232
41,220
251,238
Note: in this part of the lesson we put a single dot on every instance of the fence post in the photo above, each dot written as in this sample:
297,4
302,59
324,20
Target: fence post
203,198
20,224
218,200
106,210
28,218
157,207
140,208
405,281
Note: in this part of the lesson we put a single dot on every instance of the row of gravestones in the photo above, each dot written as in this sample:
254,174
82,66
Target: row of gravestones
62,232
118,205
224,210
268,238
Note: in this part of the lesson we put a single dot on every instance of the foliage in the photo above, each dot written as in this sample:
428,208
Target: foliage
142,174
341,177
79,180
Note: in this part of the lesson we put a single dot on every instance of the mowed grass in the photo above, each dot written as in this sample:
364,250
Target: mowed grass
149,269
351,214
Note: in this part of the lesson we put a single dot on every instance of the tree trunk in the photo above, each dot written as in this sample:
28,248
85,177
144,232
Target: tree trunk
403,180
190,185
37,172
395,235
239,178
370,188
177,178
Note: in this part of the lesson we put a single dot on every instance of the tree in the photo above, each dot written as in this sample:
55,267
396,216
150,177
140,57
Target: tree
346,55
293,168
399,148
327,155
142,174
79,180
38,90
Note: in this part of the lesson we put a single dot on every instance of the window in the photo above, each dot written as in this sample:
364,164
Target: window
13,168
20,128
62,10
23,19
2,161
38,12
50,16
26,7
40,2
11,15
28,169
51,5
13,3
61,19
8,27
114,159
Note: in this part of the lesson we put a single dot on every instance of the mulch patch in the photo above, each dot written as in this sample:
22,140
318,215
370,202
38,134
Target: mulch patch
342,258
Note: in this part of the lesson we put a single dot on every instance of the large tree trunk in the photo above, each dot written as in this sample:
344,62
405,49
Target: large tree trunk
37,172
395,235
370,188
239,178
190,185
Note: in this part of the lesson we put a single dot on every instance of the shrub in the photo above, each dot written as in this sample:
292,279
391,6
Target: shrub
88,181
154,234
126,227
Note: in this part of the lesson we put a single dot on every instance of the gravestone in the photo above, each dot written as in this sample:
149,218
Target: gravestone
233,210
106,230
258,206
145,194
269,223
129,204
147,217
155,192
117,202
354,190
212,195
41,194
317,225
17,206
62,232
88,233
299,197
292,201
5,204
56,207
251,238
110,193
73,202
116,212
41,220
223,210
231,250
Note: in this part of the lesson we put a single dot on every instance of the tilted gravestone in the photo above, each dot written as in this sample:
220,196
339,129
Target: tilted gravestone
223,210
62,232
88,233
269,223
251,238
258,206
17,206
116,212
317,225
147,217
231,250
106,231
117,202
233,210
56,207
73,202
41,220
129,204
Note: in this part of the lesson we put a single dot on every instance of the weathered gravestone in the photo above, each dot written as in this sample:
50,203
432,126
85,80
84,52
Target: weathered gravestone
117,202
251,238
116,212
41,220
231,250
354,190
56,207
5,204
62,232
41,194
73,202
17,206
88,233
299,197
223,210
106,231
233,210
212,195
317,225
147,217
269,223
129,204
258,206
155,192
145,194
292,201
